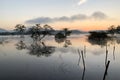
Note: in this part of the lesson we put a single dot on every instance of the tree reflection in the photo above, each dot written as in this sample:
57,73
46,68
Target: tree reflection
3,40
83,74
98,41
62,38
66,42
40,49
114,52
81,54
21,45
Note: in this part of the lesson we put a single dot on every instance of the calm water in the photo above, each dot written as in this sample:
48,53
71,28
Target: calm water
50,59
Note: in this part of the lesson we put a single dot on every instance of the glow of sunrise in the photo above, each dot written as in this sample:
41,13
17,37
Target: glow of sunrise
74,14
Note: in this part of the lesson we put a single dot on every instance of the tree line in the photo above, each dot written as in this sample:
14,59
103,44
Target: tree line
114,29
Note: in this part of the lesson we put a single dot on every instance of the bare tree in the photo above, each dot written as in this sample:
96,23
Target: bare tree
20,28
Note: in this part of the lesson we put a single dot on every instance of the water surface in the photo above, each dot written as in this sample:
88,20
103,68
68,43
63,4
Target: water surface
50,59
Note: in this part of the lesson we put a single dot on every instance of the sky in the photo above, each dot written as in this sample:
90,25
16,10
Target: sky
73,14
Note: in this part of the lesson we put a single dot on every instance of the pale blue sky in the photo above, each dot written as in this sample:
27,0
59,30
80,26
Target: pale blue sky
13,12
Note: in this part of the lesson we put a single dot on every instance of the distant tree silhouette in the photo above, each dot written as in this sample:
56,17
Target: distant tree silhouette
20,28
47,27
112,30
39,32
35,32
61,37
118,29
98,35
63,34
66,32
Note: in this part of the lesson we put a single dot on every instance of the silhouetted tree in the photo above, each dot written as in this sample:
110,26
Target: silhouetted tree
66,32
63,34
47,27
61,38
20,28
118,29
60,35
39,32
112,30
35,32
98,35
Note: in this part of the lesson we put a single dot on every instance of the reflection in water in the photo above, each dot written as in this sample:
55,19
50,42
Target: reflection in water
83,59
104,41
21,45
63,40
106,56
40,49
85,51
98,41
83,74
62,64
114,52
106,63
67,43
60,40
3,40
79,57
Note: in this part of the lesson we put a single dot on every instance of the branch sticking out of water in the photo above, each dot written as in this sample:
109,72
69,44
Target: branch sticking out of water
106,69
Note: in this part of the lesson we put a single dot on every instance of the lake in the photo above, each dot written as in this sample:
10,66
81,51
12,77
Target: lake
74,58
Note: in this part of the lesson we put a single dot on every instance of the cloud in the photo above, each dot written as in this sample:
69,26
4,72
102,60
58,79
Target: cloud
95,16
99,15
40,20
81,2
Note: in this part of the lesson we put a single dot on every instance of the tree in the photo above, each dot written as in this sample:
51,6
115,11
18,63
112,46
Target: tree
118,29
20,29
39,32
35,30
66,32
47,27
112,30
